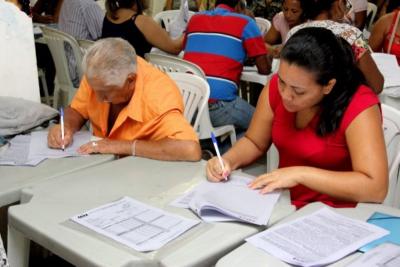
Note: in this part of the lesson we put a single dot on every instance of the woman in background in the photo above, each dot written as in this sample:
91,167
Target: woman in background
385,36
326,125
291,15
329,14
125,19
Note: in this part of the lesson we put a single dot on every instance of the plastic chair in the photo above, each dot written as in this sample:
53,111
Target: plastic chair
263,24
391,130
173,64
167,63
85,45
42,78
195,92
371,13
164,18
56,41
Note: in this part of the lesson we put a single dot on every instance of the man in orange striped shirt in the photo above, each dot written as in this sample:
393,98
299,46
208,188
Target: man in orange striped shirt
134,107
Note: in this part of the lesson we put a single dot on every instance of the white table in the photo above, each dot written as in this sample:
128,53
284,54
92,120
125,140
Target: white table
248,255
45,219
14,178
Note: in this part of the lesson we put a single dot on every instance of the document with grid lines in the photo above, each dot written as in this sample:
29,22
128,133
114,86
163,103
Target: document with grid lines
135,224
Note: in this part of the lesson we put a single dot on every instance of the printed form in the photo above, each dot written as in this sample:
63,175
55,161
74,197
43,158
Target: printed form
135,224
317,239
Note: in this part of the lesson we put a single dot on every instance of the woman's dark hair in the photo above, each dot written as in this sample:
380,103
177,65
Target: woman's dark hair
328,57
315,7
25,6
392,5
113,5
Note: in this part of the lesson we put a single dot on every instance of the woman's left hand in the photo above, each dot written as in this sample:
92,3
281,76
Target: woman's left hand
277,179
104,146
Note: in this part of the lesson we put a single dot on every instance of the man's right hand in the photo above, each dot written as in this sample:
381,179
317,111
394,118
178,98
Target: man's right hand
54,139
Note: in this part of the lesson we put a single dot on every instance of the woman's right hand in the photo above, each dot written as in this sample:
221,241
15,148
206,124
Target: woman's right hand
54,139
215,172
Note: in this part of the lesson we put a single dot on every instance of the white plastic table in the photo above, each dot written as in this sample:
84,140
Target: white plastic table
248,255
45,219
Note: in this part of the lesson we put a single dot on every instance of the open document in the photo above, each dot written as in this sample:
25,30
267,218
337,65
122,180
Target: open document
135,224
317,239
232,200
384,255
32,149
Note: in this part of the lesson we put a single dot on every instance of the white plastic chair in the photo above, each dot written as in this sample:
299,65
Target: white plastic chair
164,18
42,78
391,130
56,41
371,13
263,24
85,45
173,64
195,92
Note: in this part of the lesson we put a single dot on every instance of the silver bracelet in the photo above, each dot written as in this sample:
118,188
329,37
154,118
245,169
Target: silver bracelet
133,148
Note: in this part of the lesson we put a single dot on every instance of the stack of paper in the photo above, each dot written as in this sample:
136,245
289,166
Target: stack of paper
387,64
232,200
317,239
135,224
32,149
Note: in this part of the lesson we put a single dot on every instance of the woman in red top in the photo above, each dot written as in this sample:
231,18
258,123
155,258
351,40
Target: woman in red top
385,35
326,125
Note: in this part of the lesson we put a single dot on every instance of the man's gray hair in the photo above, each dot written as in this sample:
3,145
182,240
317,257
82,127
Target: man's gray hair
110,60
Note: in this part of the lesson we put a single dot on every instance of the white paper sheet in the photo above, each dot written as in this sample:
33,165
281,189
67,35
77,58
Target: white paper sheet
39,148
17,152
135,224
228,201
317,239
384,255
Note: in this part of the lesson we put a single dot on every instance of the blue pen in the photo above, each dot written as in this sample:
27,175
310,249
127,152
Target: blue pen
62,127
214,140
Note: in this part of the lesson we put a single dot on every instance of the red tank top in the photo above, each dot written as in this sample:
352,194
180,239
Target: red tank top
395,49
303,147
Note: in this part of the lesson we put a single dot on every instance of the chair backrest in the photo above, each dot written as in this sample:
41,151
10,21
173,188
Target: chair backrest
58,43
167,63
263,24
84,45
391,130
195,92
164,18
174,64
371,13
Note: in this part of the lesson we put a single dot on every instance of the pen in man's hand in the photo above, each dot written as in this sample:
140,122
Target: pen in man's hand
214,140
62,128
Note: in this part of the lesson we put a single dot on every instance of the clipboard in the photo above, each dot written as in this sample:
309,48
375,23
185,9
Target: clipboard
388,222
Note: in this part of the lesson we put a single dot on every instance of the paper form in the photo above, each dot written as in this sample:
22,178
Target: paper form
17,152
384,255
38,146
229,201
135,224
317,239
387,65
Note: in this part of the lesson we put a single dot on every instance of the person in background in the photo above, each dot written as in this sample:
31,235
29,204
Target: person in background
291,15
265,8
385,35
46,11
83,19
329,14
125,19
315,110
357,14
120,95
219,41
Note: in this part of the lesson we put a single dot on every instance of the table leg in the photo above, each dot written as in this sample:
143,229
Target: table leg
17,248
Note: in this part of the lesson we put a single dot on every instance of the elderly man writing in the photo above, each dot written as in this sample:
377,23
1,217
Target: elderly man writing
133,106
